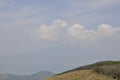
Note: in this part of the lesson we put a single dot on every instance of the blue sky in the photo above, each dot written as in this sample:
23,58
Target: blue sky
57,35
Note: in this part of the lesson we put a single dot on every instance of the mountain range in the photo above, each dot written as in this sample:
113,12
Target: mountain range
37,76
103,70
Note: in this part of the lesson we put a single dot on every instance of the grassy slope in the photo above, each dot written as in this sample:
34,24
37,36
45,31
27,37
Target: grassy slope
85,72
81,75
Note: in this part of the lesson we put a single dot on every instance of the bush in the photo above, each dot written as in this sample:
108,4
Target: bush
112,70
116,71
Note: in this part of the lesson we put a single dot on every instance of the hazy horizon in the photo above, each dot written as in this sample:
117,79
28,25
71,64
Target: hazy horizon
57,35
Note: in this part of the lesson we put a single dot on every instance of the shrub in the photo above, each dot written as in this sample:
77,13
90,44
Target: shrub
112,70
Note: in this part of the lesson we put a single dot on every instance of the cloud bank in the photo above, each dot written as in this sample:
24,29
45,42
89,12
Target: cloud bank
59,29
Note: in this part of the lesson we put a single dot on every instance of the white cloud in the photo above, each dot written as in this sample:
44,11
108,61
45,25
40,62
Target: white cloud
59,23
59,30
51,32
78,32
103,31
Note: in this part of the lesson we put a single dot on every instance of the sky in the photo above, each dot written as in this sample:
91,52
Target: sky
57,35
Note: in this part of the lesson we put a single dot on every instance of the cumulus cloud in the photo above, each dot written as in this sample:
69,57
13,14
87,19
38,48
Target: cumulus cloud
103,31
79,32
59,30
51,32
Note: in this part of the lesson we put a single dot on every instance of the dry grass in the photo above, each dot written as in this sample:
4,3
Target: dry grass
81,75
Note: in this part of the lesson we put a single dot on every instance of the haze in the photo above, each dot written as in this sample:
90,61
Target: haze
57,35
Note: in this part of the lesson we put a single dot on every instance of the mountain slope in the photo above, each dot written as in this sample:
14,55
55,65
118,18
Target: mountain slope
81,75
92,66
88,72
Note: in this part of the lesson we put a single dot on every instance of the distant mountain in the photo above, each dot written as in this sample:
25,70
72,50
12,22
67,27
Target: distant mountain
37,76
40,75
104,70
12,77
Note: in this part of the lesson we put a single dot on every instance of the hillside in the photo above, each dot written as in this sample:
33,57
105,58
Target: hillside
89,72
81,75
37,76
92,66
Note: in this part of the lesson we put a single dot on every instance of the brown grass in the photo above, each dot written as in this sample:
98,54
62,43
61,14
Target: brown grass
81,75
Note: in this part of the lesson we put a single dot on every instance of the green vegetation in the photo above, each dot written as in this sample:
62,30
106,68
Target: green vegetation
112,70
93,66
104,70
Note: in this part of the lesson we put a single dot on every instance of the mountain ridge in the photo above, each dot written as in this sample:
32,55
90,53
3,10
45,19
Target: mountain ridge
36,76
91,66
